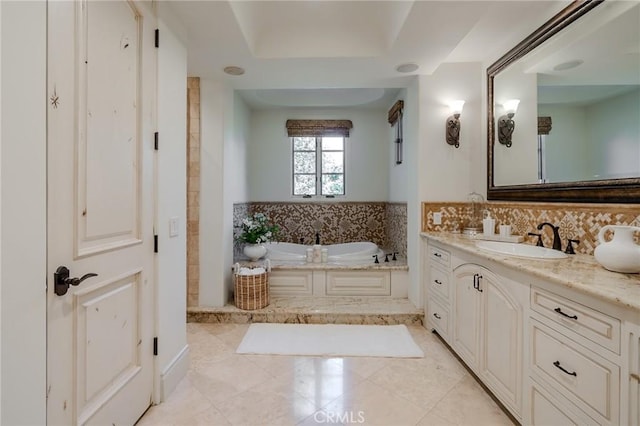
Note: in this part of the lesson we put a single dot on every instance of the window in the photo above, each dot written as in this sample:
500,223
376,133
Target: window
318,165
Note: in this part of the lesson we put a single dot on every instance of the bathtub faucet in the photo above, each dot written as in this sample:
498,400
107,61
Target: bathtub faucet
317,238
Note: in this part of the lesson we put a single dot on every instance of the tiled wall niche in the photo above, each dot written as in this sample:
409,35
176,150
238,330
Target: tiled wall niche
382,223
577,221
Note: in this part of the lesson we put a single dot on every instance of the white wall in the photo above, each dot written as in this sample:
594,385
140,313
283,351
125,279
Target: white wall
215,101
367,169
399,173
599,141
171,202
23,193
567,153
412,149
614,130
517,164
236,183
446,172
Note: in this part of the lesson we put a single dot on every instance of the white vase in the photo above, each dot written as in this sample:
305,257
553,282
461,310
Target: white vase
621,254
254,251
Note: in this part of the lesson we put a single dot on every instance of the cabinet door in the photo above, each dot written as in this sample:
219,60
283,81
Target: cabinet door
466,322
630,404
501,342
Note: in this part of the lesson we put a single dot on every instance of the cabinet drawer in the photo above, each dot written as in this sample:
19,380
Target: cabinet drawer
549,410
591,381
291,283
440,256
589,323
358,283
438,317
439,282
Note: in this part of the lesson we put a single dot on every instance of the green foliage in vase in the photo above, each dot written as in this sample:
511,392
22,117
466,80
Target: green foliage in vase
257,229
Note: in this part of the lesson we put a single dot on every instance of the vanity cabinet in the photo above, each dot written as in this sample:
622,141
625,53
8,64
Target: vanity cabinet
480,315
547,339
631,374
437,283
575,355
487,324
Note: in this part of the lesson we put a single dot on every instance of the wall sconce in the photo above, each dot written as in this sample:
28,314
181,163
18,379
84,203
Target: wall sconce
506,123
453,123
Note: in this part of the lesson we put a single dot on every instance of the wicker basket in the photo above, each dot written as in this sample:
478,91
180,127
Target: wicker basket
251,291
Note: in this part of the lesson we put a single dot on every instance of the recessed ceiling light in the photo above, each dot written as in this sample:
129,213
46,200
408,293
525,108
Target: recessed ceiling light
411,67
568,65
233,70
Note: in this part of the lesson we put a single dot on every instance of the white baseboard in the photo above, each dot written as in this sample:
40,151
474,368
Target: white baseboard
175,371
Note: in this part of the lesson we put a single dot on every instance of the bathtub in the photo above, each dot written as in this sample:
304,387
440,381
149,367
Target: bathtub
360,252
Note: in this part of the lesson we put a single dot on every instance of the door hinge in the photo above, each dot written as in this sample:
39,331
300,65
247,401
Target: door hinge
155,346
155,141
155,243
157,40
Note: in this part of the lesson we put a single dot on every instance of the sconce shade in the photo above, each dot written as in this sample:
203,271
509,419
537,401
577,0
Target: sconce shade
456,106
511,106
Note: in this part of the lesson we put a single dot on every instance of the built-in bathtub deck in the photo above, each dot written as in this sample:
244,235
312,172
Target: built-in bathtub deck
316,310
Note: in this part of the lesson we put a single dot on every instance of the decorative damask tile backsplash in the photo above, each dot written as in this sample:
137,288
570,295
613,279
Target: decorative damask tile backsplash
382,223
396,232
577,221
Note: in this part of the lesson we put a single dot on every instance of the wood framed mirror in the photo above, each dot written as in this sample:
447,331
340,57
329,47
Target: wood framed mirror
579,76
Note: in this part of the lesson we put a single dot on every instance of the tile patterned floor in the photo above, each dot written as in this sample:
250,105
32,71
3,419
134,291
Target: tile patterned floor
225,388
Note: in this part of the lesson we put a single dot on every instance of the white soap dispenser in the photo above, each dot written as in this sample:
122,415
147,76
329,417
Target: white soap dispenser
488,224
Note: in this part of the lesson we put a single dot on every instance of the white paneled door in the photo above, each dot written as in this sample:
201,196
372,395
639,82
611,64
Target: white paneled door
101,96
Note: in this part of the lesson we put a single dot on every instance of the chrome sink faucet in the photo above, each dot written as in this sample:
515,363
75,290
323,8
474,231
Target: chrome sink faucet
557,243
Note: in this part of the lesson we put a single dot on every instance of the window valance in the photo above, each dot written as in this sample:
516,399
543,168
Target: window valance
544,125
319,128
395,112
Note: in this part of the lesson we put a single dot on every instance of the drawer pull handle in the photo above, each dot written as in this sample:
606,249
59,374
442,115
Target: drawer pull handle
476,282
437,282
573,373
635,376
437,316
558,310
437,254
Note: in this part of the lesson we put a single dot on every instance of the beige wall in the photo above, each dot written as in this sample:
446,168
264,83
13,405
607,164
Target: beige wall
193,190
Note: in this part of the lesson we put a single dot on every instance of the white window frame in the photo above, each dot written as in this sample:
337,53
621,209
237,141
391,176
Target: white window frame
318,174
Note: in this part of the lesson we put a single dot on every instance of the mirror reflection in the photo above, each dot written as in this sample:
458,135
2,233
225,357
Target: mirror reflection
578,116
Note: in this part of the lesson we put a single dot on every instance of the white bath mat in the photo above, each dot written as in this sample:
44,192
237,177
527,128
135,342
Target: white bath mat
330,340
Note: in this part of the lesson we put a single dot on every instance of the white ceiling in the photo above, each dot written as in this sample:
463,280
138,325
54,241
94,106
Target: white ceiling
323,44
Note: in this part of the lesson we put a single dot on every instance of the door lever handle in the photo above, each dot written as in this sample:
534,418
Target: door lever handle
61,280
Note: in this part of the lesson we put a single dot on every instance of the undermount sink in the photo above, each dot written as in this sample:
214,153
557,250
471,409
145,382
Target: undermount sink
520,250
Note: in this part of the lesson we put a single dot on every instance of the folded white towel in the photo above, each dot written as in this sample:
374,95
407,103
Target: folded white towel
251,271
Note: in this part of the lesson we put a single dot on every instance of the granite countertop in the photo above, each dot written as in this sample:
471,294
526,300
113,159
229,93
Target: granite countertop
580,272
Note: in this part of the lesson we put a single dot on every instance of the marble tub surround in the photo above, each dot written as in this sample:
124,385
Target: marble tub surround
337,222
579,272
576,220
400,264
316,310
